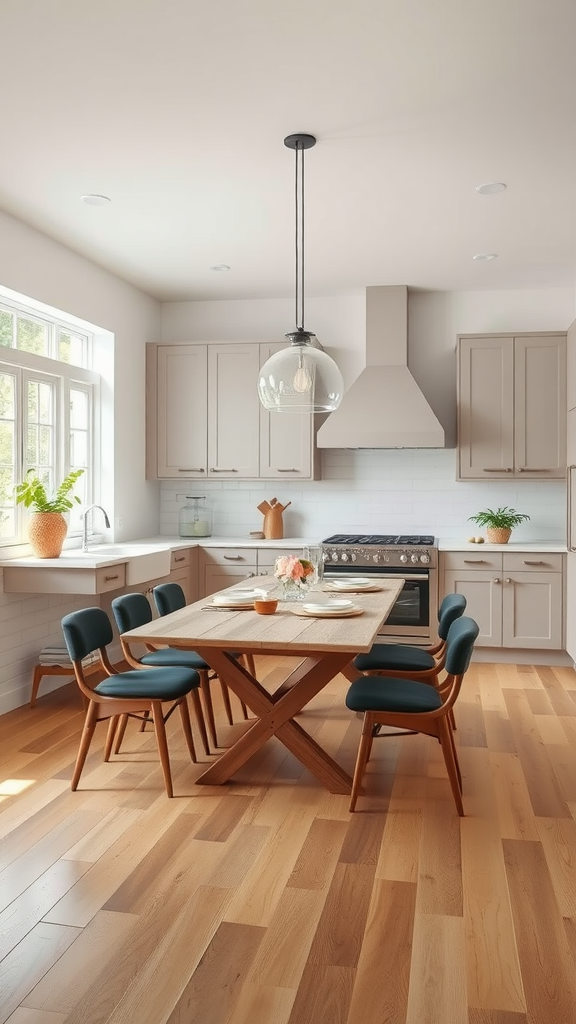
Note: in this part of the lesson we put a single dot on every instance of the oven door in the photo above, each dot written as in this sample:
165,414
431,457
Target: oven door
413,614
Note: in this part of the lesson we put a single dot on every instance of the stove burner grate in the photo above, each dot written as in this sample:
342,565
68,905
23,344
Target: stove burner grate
384,540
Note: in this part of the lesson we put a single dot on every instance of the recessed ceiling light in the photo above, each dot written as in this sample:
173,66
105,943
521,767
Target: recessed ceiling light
94,200
220,266
491,188
485,256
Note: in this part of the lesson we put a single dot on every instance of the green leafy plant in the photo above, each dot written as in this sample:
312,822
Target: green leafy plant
499,519
32,493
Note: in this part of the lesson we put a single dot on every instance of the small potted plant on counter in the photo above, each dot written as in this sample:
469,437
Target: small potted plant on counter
499,523
47,526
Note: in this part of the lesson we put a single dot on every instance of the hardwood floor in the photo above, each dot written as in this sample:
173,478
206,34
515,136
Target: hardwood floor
265,901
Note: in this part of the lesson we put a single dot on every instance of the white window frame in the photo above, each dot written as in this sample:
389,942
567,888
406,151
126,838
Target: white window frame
63,375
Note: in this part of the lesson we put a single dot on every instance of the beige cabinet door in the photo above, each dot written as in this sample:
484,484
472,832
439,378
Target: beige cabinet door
485,408
571,366
234,410
286,439
219,577
483,593
221,567
540,407
181,411
532,610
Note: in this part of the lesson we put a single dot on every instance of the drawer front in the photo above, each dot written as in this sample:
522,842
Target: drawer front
532,561
480,559
110,577
231,556
180,558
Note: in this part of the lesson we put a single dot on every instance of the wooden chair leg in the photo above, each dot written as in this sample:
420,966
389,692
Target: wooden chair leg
160,730
121,729
187,728
38,673
451,764
362,757
199,715
85,741
207,695
226,702
112,726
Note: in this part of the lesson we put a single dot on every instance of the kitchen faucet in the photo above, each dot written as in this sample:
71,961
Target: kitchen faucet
85,529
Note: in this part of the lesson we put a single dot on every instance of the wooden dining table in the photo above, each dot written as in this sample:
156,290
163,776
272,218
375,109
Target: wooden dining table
323,647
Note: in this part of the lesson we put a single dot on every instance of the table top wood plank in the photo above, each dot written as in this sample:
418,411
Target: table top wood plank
194,626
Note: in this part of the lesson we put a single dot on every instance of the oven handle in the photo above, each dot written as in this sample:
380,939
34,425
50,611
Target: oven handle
383,576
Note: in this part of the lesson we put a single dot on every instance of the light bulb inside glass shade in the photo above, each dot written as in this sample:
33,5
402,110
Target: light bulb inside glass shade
283,381
304,376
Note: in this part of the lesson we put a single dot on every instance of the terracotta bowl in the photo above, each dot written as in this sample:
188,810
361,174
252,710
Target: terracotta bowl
265,607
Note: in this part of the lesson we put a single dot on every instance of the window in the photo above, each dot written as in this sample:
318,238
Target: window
48,406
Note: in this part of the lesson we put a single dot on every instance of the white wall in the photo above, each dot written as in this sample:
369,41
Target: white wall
382,491
38,267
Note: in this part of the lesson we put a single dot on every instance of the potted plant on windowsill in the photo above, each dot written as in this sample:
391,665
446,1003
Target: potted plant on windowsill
47,526
499,523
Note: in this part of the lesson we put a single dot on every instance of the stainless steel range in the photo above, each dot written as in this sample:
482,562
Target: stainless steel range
414,617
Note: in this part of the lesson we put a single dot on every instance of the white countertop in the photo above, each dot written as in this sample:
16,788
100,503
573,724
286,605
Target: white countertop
100,555
512,545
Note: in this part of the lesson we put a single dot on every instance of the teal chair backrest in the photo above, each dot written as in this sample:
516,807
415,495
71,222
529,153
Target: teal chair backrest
131,611
452,607
85,631
460,644
169,597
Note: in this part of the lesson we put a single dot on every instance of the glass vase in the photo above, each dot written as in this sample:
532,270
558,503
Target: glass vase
291,590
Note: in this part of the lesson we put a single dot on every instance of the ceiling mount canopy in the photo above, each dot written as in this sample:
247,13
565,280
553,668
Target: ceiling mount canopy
301,378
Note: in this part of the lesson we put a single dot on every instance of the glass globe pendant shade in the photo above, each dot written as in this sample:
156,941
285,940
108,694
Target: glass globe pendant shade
300,378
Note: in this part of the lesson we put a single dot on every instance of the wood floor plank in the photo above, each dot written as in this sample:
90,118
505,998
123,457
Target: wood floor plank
262,1004
324,995
283,953
24,1015
558,838
381,986
439,867
321,850
515,812
437,991
545,794
67,981
548,969
483,1016
29,960
340,932
36,902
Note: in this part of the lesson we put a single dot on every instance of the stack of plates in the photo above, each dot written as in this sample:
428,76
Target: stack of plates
238,598
338,606
353,583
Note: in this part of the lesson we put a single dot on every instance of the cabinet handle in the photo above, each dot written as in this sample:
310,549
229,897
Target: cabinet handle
233,558
508,580
486,470
201,470
286,470
526,562
223,470
531,469
474,561
108,578
181,559
496,580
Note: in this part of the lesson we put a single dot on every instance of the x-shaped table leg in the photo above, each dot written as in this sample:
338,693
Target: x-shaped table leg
275,716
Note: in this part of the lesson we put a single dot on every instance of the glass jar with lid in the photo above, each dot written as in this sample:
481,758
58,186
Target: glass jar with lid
195,518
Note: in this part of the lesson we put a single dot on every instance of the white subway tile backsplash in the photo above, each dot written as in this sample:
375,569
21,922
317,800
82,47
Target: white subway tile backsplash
387,491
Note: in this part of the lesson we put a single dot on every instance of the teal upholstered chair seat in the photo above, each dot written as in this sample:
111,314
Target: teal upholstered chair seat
402,695
390,658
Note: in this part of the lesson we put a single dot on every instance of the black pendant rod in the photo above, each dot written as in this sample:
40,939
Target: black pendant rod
299,143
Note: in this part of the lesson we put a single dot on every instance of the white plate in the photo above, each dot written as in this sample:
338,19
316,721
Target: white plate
352,581
238,597
339,605
327,612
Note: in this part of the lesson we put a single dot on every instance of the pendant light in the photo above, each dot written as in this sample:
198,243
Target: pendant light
301,378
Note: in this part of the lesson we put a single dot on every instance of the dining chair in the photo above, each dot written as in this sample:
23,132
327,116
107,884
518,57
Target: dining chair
131,611
134,693
416,662
416,706
170,597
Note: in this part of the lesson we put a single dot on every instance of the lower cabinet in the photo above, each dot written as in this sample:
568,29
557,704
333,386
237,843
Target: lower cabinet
517,599
222,567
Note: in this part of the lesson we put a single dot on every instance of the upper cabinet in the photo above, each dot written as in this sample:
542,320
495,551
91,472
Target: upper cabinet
512,406
205,420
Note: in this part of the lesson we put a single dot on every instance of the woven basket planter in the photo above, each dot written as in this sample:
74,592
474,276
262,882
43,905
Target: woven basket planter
498,536
46,533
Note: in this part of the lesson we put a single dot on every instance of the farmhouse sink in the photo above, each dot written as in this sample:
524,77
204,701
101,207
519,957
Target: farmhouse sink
143,561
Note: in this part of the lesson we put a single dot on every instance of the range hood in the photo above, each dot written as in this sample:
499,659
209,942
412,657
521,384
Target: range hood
384,407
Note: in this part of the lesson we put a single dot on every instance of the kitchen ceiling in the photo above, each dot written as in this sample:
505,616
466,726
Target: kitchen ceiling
177,110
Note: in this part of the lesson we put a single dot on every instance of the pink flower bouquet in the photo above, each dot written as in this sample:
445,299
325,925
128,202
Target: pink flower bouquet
295,574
